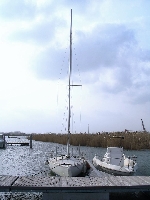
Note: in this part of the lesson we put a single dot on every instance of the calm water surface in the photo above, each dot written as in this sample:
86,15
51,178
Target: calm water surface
21,160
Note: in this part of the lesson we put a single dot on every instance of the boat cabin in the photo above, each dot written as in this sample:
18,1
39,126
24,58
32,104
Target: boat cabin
114,156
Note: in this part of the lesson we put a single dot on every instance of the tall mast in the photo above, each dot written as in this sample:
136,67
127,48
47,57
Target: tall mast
70,70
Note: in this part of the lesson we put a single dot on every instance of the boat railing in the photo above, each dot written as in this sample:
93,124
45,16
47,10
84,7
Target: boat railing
61,151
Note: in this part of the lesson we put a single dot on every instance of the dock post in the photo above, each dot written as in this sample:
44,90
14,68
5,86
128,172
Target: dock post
4,142
31,141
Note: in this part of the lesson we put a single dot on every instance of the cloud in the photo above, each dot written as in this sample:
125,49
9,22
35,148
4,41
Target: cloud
40,33
100,48
111,59
51,64
108,57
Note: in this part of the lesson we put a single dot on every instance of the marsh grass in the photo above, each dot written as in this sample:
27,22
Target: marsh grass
131,141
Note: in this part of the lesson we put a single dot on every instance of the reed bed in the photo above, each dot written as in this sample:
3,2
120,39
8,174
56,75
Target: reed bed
131,141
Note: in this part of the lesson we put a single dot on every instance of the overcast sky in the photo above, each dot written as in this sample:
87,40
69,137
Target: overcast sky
111,59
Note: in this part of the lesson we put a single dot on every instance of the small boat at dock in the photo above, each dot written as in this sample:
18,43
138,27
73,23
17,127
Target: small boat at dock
67,166
115,162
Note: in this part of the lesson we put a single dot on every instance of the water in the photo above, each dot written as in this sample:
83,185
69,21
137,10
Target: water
22,161
143,158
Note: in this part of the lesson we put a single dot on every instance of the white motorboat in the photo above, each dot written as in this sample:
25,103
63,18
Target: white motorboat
115,162
68,165
3,142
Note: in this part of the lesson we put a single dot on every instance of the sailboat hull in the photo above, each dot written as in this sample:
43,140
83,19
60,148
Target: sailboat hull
67,167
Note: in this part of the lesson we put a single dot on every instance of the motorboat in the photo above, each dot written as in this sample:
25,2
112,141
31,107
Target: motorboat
115,162
68,165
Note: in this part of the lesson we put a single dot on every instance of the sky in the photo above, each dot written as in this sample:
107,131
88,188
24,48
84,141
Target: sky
110,56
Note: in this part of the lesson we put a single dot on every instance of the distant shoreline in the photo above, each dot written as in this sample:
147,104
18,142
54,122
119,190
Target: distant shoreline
131,141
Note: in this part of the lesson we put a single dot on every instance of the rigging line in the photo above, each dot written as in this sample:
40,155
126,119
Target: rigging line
81,98
58,92
80,106
57,100
80,90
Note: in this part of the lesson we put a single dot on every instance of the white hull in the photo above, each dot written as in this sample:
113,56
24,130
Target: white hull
113,169
114,161
67,167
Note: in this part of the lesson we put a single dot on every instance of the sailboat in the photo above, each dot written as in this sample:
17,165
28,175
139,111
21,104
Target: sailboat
68,165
